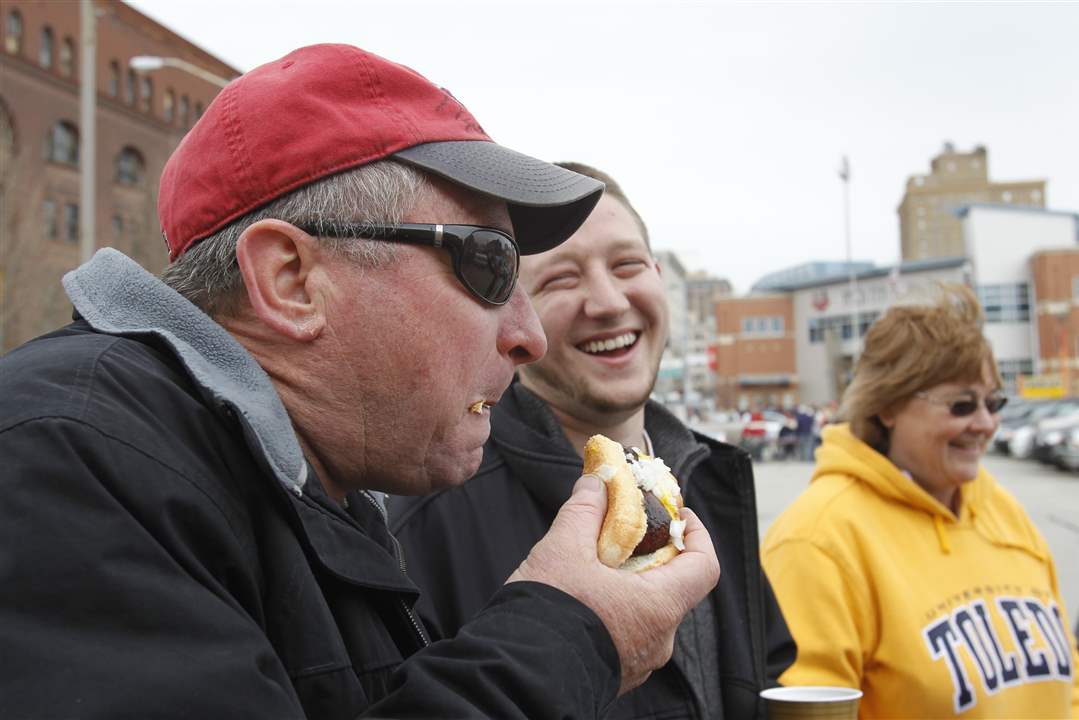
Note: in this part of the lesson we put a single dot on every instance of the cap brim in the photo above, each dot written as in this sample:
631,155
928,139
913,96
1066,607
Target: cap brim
546,203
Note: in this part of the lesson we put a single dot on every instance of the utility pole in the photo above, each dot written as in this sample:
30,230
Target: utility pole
844,175
88,149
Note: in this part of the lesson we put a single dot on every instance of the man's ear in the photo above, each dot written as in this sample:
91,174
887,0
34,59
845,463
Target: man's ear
276,260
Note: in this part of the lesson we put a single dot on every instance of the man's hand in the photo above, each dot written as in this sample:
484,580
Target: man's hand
640,610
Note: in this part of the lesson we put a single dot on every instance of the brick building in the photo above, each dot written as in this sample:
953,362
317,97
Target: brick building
755,355
1056,299
139,119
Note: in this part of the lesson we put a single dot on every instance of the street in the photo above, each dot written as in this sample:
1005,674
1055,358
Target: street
1050,497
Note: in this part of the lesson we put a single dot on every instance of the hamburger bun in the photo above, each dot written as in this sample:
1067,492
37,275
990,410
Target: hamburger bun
639,532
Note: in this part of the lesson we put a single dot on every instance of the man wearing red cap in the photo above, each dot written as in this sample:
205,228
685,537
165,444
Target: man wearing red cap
193,469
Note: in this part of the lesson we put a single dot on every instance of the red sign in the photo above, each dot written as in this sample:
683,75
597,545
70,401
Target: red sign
820,300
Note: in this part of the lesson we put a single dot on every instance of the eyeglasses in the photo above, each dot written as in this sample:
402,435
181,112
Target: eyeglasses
962,407
485,260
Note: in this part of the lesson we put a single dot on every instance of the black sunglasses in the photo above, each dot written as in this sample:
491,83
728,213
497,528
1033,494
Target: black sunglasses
962,407
485,260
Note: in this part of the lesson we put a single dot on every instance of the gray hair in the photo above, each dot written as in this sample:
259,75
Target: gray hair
381,192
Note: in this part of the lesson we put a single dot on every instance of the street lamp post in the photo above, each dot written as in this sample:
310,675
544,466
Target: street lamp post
844,175
87,106
149,63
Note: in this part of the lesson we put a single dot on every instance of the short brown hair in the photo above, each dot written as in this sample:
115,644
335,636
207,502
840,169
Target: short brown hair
613,189
911,348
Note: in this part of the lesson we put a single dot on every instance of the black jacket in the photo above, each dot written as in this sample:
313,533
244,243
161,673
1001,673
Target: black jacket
167,551
463,543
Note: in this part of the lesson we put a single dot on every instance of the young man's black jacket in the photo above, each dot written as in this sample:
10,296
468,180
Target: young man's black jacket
463,543
167,551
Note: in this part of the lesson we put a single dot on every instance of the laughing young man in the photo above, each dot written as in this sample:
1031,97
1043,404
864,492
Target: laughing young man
600,300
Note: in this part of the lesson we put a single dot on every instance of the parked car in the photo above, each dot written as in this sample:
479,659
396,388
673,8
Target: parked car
1065,455
1051,432
723,426
761,435
1021,444
1013,416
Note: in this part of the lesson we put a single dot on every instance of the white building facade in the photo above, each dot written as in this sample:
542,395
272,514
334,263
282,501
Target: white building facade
999,241
825,312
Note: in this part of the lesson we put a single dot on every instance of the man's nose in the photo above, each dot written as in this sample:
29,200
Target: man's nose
605,298
520,335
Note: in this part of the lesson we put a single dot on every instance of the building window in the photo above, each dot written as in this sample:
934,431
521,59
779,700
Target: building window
44,54
71,222
67,57
13,33
129,88
763,325
1006,196
1075,287
1035,195
114,79
1011,370
1005,303
62,144
185,111
146,94
7,141
130,167
198,110
117,228
48,219
865,320
168,104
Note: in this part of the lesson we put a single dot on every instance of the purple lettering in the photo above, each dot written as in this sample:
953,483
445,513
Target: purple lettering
1006,661
1049,631
976,645
942,642
1037,664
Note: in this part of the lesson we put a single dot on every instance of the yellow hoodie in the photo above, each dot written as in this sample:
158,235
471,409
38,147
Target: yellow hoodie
930,614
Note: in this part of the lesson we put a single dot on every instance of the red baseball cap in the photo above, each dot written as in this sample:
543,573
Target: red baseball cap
324,109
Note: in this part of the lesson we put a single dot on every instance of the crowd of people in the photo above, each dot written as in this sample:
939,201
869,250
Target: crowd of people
328,465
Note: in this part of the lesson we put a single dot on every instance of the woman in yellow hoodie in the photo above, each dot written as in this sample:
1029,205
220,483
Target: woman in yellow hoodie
904,569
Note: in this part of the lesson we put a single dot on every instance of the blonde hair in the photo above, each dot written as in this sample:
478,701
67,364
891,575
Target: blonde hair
613,189
911,348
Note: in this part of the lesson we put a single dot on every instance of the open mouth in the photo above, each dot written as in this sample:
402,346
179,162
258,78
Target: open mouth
968,445
611,347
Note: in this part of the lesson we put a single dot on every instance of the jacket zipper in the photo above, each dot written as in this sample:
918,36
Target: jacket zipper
400,555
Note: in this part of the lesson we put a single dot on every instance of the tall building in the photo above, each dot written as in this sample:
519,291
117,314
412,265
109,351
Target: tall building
673,274
687,371
670,382
139,119
702,293
928,224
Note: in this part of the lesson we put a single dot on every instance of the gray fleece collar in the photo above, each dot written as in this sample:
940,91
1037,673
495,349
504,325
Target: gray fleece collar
117,296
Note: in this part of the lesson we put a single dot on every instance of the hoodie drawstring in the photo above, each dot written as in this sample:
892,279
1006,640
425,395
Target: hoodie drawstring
942,535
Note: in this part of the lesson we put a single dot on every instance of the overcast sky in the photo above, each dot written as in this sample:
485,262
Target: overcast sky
724,123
